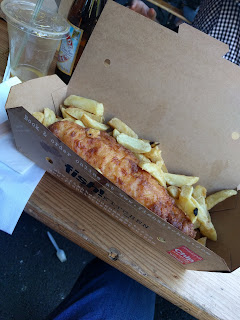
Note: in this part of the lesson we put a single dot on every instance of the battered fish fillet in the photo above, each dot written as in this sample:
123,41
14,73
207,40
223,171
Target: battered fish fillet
120,166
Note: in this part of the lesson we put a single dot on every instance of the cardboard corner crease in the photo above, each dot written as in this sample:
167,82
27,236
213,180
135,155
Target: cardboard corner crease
172,88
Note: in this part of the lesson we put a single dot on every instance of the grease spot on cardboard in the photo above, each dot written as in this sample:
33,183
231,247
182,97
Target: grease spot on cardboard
235,135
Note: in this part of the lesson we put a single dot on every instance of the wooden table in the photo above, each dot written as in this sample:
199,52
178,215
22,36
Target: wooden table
205,295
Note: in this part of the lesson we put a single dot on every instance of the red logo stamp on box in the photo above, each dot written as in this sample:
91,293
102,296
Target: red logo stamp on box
185,255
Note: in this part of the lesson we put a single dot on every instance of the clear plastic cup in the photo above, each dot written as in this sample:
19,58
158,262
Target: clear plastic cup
32,41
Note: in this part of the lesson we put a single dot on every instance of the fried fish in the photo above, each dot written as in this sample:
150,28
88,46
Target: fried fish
120,166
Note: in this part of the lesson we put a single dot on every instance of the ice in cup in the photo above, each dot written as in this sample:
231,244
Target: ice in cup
33,41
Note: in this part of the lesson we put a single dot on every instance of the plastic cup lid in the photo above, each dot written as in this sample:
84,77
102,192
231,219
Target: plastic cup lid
46,25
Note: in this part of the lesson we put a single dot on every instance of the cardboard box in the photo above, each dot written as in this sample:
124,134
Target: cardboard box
172,88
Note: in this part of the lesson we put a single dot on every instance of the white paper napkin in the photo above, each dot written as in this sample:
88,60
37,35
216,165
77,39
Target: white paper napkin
15,190
11,157
18,175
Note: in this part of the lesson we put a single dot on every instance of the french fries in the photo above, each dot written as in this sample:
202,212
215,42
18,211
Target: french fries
49,117
217,197
206,227
93,133
154,154
208,230
198,214
193,201
174,191
77,113
179,180
69,119
203,241
122,127
116,133
155,171
79,122
164,168
89,105
133,144
39,116
89,122
186,192
65,114
142,158
185,203
199,194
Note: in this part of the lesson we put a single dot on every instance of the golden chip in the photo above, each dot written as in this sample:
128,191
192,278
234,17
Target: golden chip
187,206
154,154
217,197
122,127
92,133
79,122
164,168
85,104
206,227
203,241
49,117
116,133
155,171
186,191
90,123
202,214
39,116
77,113
133,144
69,119
179,180
208,231
65,114
173,191
199,194
141,157
196,224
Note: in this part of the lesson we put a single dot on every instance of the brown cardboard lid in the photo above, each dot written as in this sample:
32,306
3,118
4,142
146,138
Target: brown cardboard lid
36,95
169,87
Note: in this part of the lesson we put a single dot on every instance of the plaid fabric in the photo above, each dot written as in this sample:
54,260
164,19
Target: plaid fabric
221,20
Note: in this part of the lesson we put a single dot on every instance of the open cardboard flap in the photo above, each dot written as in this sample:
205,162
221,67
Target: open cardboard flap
172,88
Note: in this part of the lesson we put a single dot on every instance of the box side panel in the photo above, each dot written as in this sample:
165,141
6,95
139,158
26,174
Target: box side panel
227,224
58,97
172,88
35,94
40,145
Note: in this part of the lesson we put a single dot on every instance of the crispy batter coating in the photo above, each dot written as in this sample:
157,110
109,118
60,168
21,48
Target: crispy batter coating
120,166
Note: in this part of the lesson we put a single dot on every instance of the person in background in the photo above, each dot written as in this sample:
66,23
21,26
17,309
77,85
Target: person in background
217,18
104,293
221,20
189,8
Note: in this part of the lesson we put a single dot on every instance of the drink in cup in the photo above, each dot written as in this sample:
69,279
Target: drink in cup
33,38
